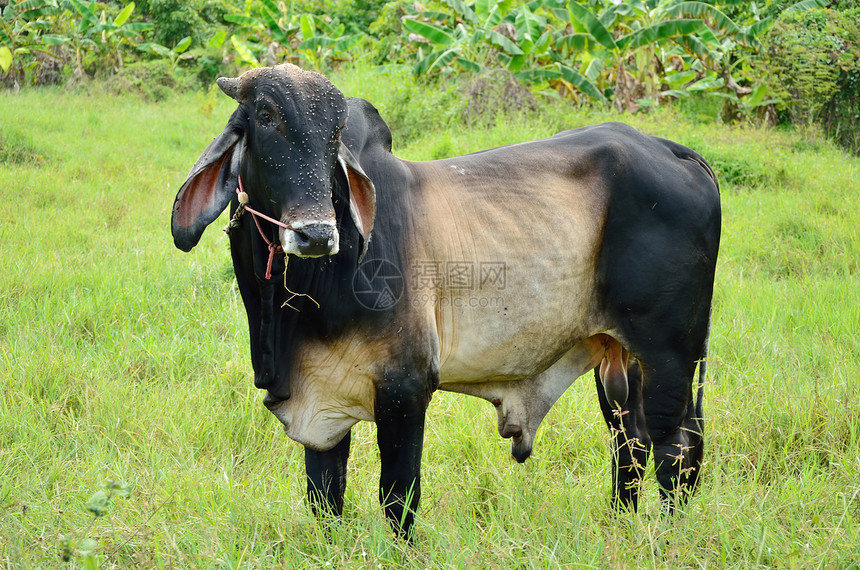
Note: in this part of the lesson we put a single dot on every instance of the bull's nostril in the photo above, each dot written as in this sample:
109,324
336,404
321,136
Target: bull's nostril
512,430
316,239
310,239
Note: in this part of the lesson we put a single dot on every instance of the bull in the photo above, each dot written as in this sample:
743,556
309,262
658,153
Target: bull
370,282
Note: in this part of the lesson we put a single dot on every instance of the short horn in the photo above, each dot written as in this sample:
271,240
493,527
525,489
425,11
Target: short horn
230,86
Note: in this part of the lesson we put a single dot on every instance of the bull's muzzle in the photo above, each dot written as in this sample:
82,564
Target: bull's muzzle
315,239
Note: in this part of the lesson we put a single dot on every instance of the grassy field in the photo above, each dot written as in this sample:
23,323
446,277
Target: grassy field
124,360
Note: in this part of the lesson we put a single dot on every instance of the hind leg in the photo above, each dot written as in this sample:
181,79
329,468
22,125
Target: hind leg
672,427
694,425
631,443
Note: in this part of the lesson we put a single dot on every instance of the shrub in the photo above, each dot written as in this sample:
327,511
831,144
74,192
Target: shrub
177,19
153,80
813,68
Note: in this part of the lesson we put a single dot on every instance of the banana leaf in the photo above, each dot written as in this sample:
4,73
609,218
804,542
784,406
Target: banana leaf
583,21
436,34
581,82
659,32
435,61
124,14
702,10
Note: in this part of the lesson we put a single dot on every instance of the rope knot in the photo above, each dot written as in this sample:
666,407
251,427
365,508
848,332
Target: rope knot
274,248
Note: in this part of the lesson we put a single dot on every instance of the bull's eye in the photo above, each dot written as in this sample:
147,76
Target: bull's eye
264,118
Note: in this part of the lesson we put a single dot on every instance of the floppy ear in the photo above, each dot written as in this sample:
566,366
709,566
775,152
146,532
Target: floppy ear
210,185
362,195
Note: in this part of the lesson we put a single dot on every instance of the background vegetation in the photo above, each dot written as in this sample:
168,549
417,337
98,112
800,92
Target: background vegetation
773,61
131,435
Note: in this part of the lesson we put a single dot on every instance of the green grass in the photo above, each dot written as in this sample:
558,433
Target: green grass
123,359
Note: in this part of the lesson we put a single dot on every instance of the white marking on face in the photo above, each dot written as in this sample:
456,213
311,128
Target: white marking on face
290,239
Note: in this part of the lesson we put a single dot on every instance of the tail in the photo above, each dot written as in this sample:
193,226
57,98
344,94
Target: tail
685,153
703,366
701,162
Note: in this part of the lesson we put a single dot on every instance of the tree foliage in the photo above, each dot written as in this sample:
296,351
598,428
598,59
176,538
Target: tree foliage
812,65
635,54
796,57
43,39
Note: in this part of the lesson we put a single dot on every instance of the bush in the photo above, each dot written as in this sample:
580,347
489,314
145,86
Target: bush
177,19
840,116
153,80
813,69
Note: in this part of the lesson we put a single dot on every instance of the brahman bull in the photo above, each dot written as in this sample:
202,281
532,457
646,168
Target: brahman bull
371,281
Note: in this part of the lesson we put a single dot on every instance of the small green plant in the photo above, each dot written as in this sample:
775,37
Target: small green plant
174,55
85,550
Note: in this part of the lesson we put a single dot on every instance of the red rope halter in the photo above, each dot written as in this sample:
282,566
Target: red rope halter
274,248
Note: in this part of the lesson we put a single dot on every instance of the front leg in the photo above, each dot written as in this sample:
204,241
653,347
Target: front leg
326,474
401,403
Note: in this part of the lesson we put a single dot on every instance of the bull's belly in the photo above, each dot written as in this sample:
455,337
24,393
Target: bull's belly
522,400
481,359
516,335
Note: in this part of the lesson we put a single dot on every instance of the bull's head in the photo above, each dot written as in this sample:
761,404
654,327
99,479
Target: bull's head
284,141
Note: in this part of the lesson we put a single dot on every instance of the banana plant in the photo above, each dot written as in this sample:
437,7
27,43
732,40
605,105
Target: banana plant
111,35
653,49
22,27
488,35
272,32
323,42
269,29
631,45
174,55
636,52
491,34
446,46
33,26
96,33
